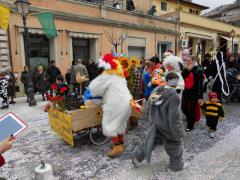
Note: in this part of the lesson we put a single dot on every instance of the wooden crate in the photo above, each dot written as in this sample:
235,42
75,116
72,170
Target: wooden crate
65,125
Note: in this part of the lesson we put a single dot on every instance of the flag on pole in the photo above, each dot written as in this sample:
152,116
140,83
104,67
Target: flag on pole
47,23
4,17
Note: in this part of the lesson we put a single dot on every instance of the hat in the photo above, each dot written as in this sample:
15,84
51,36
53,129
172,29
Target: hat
212,95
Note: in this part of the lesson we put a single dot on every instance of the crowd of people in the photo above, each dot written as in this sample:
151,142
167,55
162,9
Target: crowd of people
173,88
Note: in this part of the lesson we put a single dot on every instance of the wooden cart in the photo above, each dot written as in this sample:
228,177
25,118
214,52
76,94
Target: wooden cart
80,120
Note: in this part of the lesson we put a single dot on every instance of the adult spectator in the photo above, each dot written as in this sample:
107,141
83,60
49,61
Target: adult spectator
82,73
41,81
152,11
68,76
92,69
73,76
27,78
53,72
116,5
11,85
154,64
130,5
193,92
232,62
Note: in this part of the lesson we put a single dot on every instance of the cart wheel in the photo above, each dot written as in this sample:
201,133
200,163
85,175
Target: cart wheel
97,136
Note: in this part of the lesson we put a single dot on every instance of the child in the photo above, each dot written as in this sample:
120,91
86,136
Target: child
214,111
166,125
3,90
62,87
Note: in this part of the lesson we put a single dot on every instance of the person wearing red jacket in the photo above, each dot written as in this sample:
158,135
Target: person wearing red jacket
5,146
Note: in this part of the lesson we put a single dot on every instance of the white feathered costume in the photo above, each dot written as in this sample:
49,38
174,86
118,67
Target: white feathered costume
111,85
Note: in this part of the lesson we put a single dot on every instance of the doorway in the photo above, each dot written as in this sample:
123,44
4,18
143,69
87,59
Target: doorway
38,50
223,46
81,49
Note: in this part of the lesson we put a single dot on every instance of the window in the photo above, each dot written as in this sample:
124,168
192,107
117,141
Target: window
163,6
190,10
197,12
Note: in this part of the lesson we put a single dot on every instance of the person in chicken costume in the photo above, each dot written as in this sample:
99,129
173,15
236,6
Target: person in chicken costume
111,85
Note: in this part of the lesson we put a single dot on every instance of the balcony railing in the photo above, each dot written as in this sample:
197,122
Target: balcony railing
121,5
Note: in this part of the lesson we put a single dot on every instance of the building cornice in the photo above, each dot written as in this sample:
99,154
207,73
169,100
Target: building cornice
106,22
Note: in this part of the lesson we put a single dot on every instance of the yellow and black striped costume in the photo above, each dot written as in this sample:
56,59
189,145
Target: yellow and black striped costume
213,112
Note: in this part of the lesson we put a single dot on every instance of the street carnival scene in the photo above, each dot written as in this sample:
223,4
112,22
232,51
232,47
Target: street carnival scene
119,89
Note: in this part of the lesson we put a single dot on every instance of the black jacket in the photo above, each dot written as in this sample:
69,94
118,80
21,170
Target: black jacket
27,78
196,90
52,73
92,71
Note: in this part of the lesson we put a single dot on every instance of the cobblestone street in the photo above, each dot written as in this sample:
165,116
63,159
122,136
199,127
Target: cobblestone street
88,161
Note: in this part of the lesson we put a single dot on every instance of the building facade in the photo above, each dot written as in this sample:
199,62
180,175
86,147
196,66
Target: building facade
86,30
226,13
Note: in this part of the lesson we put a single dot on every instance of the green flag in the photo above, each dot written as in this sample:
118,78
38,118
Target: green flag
47,22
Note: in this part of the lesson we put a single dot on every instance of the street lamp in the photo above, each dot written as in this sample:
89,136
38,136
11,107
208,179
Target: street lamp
232,34
23,10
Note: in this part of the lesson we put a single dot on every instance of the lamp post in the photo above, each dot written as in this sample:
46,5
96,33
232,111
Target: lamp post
232,34
23,10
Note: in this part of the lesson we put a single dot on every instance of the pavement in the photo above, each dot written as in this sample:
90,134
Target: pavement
205,158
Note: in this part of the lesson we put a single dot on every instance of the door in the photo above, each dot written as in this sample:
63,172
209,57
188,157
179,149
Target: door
81,49
223,46
162,48
136,51
38,50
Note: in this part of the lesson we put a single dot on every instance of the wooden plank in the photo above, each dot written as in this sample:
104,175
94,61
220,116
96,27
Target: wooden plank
86,118
61,124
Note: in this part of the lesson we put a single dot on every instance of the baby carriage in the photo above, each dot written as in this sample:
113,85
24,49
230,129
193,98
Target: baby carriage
233,79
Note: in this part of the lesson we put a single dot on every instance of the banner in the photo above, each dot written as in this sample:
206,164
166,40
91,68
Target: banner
47,23
4,17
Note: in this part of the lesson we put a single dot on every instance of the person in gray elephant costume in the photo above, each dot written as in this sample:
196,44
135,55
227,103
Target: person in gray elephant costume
166,125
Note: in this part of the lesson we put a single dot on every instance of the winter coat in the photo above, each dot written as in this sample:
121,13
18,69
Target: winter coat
116,103
165,116
92,71
42,84
80,68
11,84
73,74
68,78
52,73
193,83
27,78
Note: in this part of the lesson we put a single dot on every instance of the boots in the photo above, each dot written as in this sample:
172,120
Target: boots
116,151
4,105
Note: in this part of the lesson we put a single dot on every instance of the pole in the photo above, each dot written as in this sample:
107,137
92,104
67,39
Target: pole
25,39
232,44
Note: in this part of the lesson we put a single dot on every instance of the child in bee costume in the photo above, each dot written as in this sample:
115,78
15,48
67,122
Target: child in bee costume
214,111
166,125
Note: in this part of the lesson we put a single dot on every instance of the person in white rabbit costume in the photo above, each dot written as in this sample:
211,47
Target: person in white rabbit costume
111,85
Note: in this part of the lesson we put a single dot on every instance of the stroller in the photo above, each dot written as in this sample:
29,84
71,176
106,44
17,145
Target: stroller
233,79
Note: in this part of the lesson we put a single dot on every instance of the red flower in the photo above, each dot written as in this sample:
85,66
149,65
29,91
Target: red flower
63,89
60,98
54,87
55,98
49,98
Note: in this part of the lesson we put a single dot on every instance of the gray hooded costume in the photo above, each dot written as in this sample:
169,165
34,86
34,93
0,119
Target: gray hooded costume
166,126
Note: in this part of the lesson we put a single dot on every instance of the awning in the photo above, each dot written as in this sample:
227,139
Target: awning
84,35
33,30
235,40
201,36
